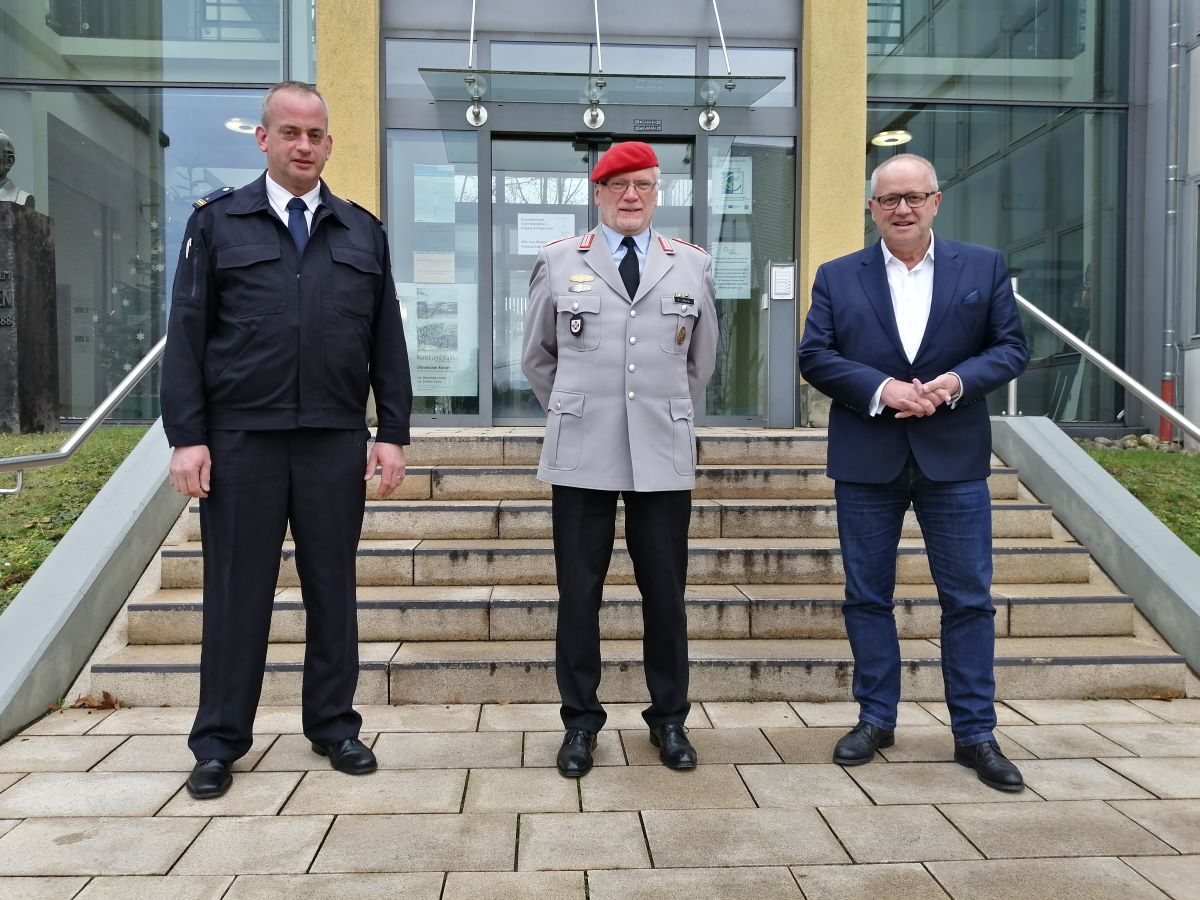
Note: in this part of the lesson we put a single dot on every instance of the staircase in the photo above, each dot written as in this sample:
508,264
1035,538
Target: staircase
457,597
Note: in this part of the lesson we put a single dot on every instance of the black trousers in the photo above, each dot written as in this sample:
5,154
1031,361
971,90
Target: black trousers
261,482
656,527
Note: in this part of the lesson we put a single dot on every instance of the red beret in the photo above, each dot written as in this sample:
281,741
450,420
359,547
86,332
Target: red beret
627,157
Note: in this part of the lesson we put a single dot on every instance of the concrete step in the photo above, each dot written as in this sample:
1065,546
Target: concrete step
713,482
710,561
527,612
521,446
523,671
530,519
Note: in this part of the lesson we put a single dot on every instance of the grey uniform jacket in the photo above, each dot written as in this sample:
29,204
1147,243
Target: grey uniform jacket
621,388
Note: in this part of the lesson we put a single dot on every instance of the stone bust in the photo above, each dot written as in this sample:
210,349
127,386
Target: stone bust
9,192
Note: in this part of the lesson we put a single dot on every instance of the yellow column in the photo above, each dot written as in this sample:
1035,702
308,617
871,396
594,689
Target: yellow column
348,75
833,134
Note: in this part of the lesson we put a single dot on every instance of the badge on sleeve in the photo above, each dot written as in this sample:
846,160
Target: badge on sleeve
576,325
681,336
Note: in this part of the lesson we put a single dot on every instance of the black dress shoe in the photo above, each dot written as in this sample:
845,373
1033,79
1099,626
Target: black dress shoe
210,779
575,754
351,756
858,746
992,767
675,750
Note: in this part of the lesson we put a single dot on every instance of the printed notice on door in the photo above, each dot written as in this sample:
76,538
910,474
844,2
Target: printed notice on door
535,230
433,193
443,338
731,182
731,270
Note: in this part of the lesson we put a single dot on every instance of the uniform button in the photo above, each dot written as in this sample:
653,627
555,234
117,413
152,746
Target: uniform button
574,306
689,412
558,405
633,340
633,314
632,395
632,367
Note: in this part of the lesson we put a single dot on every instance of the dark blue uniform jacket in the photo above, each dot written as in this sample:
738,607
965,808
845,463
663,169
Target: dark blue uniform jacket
262,339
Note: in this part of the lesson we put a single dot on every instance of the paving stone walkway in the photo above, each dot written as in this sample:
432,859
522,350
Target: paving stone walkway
467,804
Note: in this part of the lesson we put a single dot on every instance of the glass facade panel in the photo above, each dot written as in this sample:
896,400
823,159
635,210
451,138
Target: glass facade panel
156,40
433,230
1047,50
117,170
402,58
751,220
760,61
1046,186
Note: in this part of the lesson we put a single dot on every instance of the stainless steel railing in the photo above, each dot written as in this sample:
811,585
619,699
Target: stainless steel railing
40,460
1104,365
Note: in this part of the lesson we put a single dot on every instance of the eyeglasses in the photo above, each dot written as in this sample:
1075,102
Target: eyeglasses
914,200
620,187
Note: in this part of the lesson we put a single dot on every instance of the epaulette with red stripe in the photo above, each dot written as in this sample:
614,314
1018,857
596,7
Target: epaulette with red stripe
690,244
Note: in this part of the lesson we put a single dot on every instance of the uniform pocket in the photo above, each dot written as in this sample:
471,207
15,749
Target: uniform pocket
683,435
354,281
578,321
678,320
564,430
248,276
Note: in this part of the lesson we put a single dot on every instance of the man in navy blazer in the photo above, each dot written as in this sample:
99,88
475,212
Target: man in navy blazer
907,338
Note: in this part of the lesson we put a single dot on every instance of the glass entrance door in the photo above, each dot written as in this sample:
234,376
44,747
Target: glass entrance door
540,193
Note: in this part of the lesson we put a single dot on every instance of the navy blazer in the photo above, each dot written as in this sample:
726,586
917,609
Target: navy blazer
851,344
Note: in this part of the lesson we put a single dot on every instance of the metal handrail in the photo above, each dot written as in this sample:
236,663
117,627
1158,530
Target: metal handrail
91,423
1104,364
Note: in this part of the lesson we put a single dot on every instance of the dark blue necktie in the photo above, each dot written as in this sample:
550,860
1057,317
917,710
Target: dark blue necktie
297,224
629,267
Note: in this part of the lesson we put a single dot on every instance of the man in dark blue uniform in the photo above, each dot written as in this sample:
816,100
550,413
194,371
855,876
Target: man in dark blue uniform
283,316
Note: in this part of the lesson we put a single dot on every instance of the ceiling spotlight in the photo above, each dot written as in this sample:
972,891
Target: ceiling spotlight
891,138
240,125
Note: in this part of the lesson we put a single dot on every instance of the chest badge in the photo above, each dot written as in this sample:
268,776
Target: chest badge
681,336
580,279
576,325
579,288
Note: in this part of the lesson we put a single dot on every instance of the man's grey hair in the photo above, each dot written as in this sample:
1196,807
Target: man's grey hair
897,158
299,87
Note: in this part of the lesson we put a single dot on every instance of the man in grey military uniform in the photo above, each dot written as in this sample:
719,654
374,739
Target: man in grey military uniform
620,341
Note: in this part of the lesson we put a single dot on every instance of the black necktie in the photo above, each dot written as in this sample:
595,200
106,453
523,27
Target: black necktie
297,224
629,267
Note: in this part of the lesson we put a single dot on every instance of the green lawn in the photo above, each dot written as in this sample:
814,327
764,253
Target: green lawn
1168,484
32,521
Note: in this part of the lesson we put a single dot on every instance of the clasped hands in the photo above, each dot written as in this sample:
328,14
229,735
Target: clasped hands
916,399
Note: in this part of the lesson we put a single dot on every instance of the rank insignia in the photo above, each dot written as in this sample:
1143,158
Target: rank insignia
681,336
582,279
576,325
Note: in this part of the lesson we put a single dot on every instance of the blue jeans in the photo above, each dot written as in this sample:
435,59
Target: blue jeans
956,522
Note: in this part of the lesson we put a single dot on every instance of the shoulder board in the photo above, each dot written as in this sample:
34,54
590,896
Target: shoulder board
689,244
215,195
585,242
666,245
364,209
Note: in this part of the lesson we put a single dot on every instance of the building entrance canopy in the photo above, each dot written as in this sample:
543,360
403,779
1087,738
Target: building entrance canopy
584,88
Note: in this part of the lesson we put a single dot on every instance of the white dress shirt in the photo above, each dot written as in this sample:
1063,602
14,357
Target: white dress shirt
279,197
912,297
